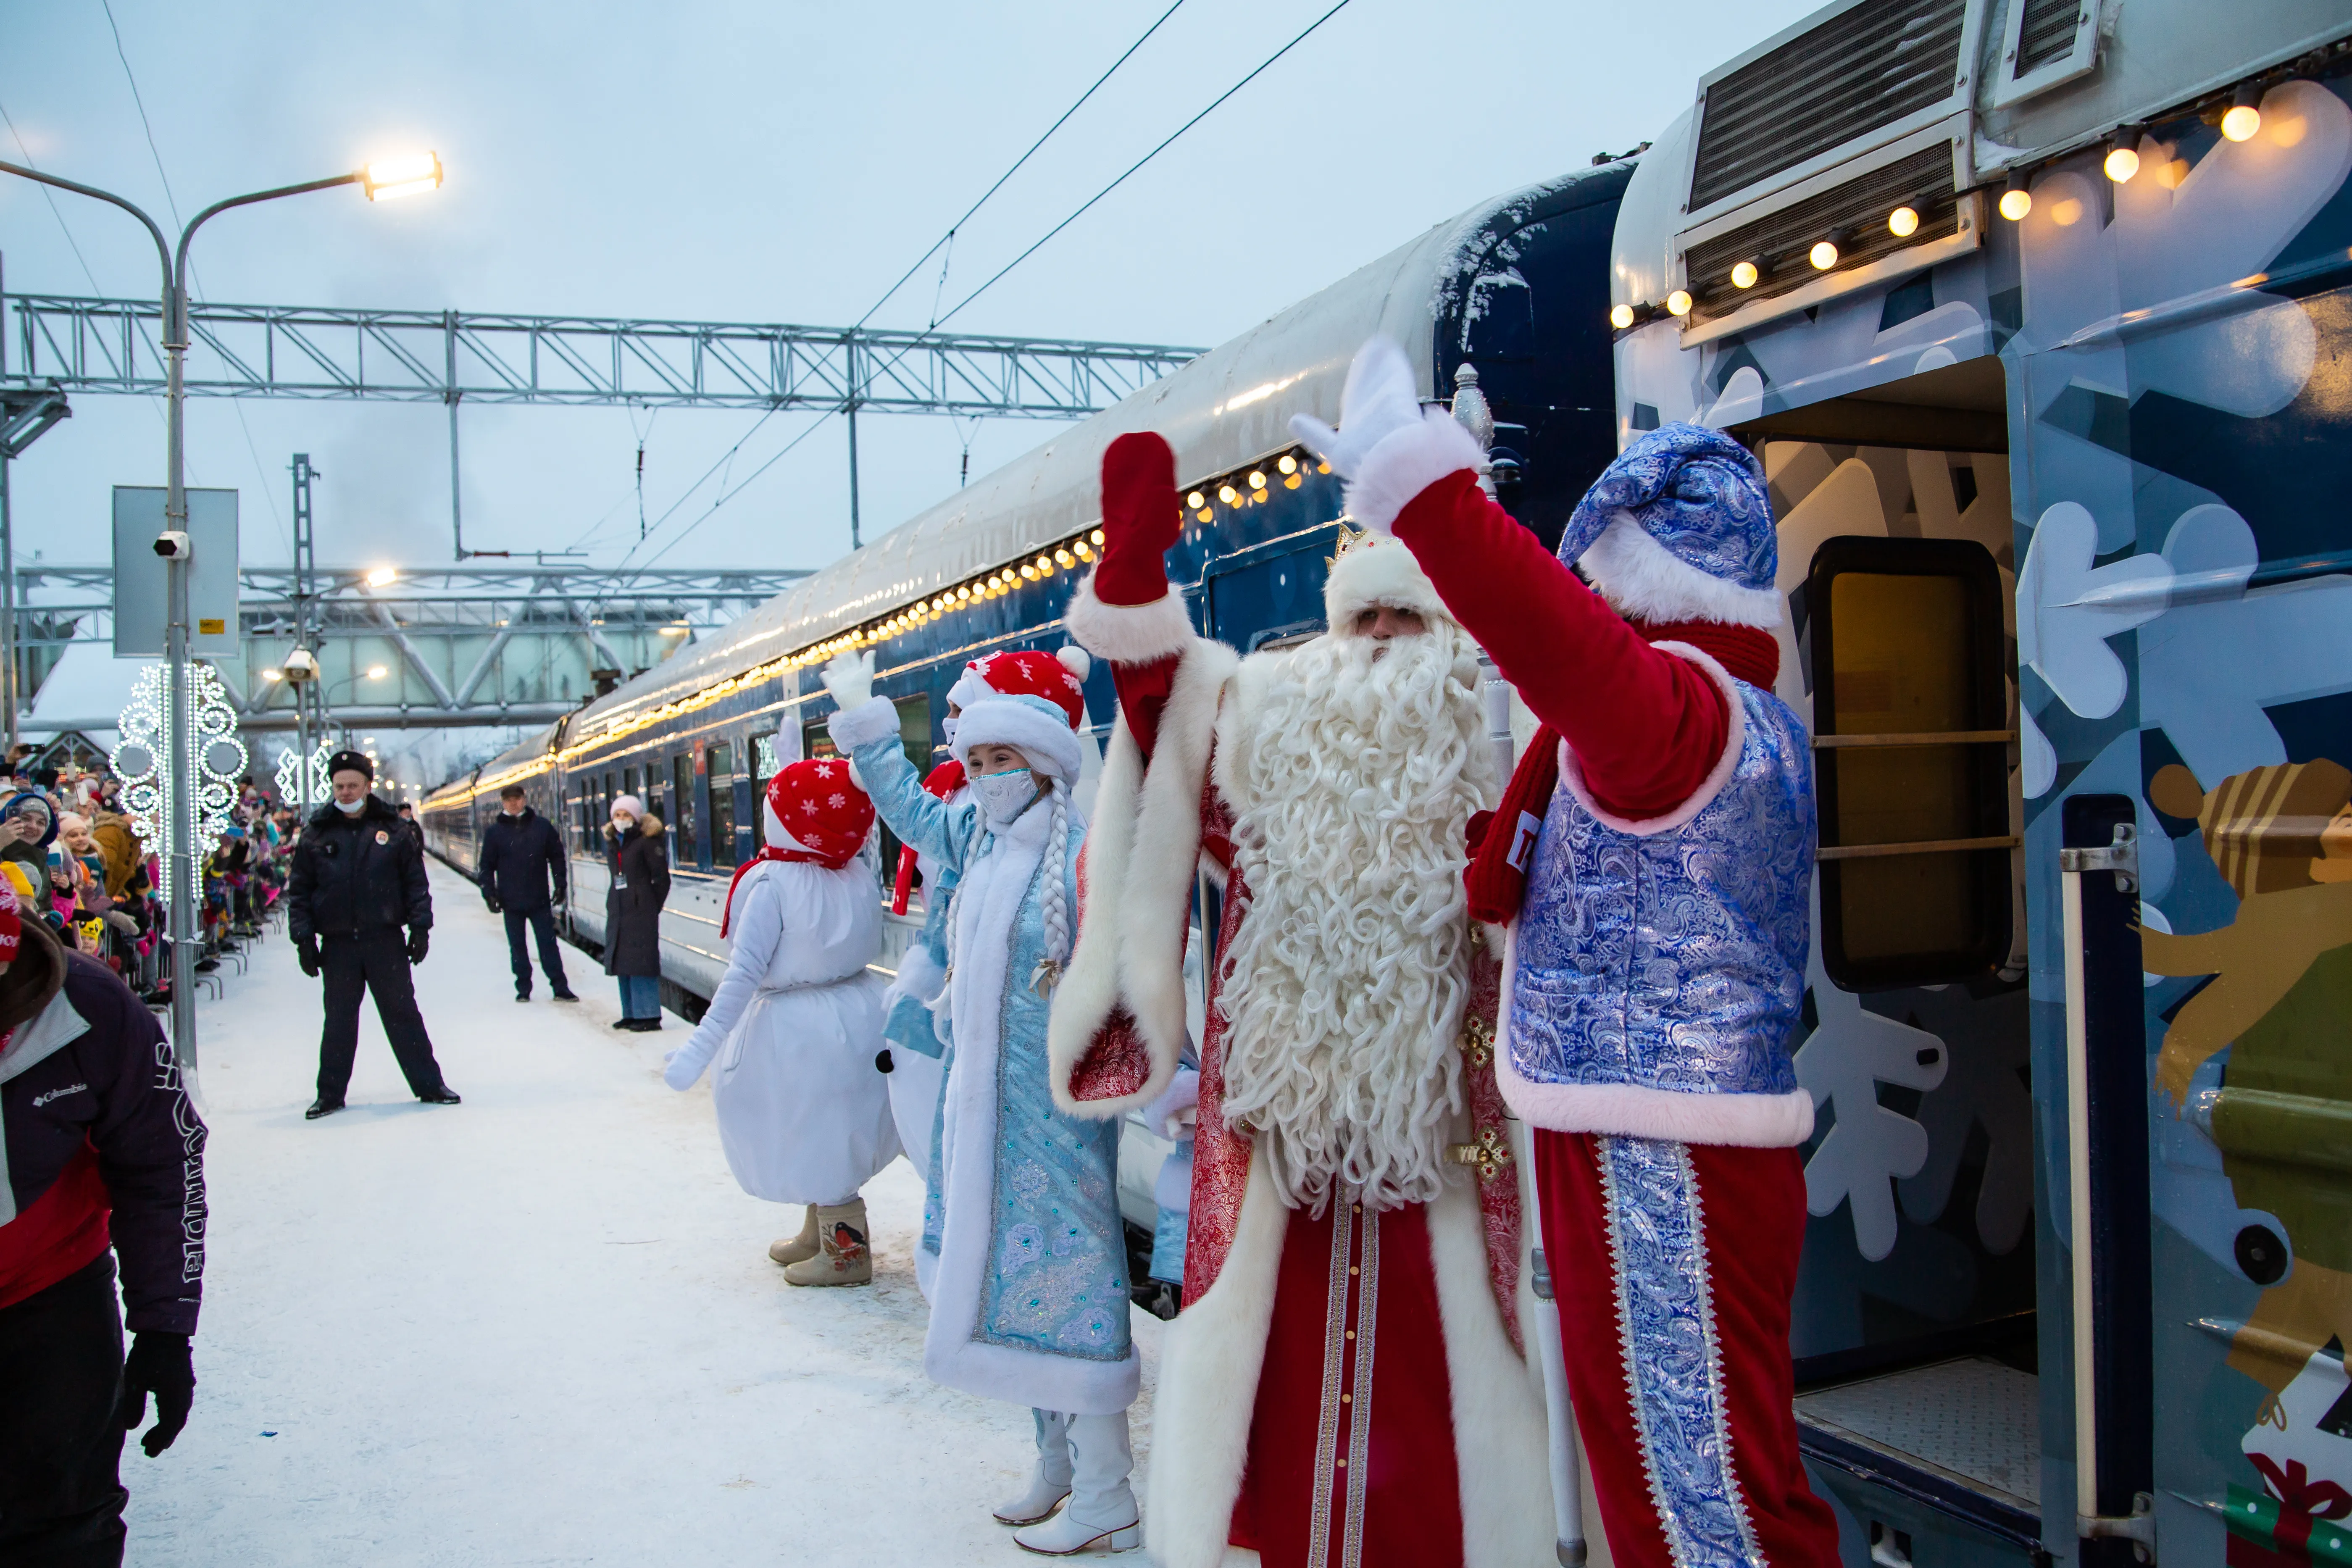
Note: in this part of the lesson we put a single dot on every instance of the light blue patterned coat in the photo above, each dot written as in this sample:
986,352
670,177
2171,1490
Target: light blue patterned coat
1029,1286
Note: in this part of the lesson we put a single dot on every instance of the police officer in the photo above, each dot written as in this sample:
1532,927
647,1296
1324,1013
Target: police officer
359,878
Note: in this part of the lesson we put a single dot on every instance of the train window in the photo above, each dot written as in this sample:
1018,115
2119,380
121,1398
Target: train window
683,846
1910,716
629,781
719,765
763,768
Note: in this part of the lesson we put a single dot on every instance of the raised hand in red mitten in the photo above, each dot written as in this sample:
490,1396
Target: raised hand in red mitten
1141,518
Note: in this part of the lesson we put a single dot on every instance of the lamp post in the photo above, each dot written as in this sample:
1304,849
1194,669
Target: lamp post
407,176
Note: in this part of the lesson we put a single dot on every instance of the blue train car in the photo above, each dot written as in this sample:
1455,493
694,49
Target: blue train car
2038,315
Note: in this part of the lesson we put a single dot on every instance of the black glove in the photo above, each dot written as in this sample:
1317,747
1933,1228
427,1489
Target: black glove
159,1364
306,952
419,939
491,900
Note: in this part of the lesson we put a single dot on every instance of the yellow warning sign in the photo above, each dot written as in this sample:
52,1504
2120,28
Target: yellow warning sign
212,627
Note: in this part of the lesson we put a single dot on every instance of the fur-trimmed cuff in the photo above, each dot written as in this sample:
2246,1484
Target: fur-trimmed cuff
862,725
1128,634
1408,462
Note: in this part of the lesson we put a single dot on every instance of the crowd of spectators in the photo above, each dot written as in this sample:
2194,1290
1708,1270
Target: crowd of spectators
72,858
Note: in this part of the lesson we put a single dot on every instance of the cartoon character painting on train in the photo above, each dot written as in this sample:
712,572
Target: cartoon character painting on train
2277,1002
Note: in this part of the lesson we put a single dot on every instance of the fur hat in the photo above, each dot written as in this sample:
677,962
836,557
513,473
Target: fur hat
1032,700
813,805
1371,569
1679,527
351,763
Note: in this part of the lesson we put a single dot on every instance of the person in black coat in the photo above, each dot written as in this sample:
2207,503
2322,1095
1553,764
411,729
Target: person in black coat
94,1119
521,854
640,866
358,878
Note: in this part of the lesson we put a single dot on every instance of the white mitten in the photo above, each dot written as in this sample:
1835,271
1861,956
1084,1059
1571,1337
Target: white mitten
1378,401
850,678
687,1062
1167,1115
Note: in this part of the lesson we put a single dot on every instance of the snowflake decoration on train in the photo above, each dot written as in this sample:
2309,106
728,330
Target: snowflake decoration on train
211,764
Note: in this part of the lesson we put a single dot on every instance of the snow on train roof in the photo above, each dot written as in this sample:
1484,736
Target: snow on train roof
1230,405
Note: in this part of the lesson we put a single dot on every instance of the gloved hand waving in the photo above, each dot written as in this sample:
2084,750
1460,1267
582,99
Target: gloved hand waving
1141,518
850,678
1380,405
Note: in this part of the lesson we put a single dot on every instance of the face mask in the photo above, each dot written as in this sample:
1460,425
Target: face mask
948,728
354,807
1004,796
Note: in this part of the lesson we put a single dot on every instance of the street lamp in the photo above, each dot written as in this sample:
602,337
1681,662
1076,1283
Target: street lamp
407,176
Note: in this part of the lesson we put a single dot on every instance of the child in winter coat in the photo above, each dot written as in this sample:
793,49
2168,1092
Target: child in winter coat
803,1114
1026,1264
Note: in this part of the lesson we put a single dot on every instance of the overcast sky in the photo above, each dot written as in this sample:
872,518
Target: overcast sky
753,162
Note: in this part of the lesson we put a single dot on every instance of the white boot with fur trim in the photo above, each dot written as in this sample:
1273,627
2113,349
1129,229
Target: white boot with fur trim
1049,1482
1102,1515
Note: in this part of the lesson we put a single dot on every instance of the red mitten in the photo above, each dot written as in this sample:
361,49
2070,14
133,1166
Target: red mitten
1141,518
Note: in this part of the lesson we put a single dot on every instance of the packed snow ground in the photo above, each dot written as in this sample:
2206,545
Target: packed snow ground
539,1327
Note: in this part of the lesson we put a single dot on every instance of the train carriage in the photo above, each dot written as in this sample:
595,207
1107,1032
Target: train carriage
2037,315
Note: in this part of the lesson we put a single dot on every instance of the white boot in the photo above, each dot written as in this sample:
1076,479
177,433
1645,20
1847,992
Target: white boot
1049,1483
1102,1514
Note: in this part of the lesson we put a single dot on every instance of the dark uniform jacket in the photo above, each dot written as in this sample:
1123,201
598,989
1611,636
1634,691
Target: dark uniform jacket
633,909
357,875
93,1118
520,854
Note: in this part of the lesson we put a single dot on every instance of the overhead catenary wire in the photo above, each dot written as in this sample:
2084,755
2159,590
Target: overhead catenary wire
948,237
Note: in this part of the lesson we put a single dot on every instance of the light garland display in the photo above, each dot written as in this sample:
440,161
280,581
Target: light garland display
289,773
150,786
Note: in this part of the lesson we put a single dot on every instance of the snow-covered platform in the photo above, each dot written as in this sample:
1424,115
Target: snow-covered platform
539,1327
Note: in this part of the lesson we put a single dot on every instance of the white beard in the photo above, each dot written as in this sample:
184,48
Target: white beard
1352,778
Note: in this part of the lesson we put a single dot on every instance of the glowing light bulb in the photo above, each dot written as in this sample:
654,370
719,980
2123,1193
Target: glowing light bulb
377,672
1620,316
2122,162
1064,559
1196,500
2242,121
963,595
1287,464
1028,572
1903,221
381,575
1085,552
1678,303
1045,565
1257,479
1743,275
408,176
1227,494
1096,536
2015,203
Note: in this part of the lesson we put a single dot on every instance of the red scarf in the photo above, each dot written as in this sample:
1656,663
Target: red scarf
727,914
1500,841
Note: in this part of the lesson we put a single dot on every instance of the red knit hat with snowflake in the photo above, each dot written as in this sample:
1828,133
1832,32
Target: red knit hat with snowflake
1032,700
815,813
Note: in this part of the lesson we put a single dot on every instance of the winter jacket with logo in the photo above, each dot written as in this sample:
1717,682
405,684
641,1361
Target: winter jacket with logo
92,1119
520,856
357,875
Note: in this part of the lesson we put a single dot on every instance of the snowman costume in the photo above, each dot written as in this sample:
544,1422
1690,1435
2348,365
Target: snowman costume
803,1115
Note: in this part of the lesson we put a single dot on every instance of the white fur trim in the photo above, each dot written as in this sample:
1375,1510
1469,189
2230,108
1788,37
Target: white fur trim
864,724
1076,660
1501,1452
1377,571
1142,846
1571,772
987,903
920,976
1631,1111
1642,579
1209,1363
1407,462
1128,634
969,689
1045,738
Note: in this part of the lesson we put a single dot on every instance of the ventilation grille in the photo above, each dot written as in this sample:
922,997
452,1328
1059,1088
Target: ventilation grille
1865,67
1853,217
2045,35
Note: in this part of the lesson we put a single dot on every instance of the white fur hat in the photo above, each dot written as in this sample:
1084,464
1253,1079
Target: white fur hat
1371,570
1039,727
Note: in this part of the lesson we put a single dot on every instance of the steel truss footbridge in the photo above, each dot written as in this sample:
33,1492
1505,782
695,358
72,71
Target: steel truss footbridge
519,641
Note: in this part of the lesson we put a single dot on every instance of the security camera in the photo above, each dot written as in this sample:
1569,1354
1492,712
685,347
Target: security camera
171,544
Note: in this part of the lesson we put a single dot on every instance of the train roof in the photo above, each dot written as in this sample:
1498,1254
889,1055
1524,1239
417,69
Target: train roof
1224,409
